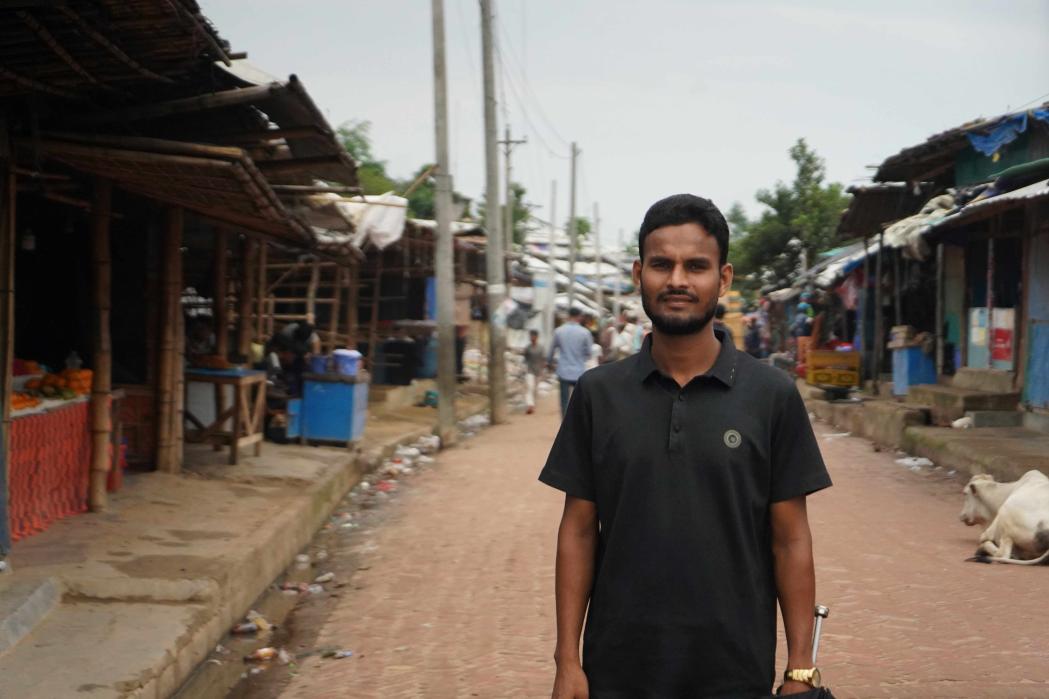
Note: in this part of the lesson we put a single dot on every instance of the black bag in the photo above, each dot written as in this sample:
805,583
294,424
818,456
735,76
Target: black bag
816,693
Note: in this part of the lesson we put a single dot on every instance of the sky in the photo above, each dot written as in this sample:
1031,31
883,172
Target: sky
661,96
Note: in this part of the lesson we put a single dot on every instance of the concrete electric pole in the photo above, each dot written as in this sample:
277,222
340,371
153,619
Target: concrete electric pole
494,257
445,270
617,304
508,213
573,231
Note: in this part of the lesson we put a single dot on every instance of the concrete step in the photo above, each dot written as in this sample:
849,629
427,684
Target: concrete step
948,403
988,380
24,603
996,418
1037,422
1004,452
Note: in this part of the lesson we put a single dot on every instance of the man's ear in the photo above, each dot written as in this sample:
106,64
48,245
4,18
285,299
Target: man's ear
726,278
636,273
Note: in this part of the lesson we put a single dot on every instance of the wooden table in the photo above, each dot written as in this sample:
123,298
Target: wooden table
245,415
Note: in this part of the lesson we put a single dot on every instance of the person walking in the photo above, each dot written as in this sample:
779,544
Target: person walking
534,357
573,345
685,469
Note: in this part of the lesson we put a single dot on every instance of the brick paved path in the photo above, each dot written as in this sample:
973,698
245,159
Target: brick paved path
453,591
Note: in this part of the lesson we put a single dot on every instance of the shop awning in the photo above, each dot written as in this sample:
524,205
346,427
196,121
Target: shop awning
217,182
983,208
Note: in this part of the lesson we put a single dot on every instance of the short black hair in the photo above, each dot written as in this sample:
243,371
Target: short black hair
575,312
685,208
533,333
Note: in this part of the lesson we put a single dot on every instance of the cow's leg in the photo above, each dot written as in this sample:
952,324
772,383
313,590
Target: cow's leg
988,541
1005,547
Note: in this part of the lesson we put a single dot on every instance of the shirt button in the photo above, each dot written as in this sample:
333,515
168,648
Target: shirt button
681,396
677,428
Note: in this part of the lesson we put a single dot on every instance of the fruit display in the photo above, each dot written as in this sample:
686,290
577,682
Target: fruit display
23,401
64,386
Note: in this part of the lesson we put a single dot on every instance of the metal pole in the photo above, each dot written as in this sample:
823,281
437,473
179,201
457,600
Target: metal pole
495,264
551,308
573,238
508,213
445,269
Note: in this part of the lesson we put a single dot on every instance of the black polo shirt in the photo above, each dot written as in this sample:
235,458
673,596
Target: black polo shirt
684,597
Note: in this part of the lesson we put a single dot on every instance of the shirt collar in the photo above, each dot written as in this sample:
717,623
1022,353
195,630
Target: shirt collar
724,368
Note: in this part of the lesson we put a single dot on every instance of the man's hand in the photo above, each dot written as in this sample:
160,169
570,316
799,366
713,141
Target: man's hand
570,682
794,687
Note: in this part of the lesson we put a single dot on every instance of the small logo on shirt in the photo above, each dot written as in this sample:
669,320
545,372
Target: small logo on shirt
733,439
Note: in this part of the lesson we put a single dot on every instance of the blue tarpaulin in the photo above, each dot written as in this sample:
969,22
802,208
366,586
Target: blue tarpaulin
1004,132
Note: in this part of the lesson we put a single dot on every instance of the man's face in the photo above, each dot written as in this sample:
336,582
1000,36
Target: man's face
681,278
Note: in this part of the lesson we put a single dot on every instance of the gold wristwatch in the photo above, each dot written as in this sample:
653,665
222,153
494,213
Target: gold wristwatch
810,676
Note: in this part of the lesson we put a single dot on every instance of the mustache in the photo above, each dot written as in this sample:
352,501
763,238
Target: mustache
677,294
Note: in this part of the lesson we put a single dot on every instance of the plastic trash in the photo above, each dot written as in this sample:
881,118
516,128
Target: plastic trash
315,589
262,654
244,629
386,486
284,657
338,654
915,462
327,577
963,423
321,555
260,622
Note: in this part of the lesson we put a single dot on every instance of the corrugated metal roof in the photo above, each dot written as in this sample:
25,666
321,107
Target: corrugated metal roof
985,207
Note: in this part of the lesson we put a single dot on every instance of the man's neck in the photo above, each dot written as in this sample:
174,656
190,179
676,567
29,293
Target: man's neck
684,357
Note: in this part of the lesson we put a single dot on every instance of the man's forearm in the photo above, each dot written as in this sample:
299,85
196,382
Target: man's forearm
796,585
574,578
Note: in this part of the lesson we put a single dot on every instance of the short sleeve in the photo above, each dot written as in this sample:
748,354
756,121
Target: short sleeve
569,467
797,464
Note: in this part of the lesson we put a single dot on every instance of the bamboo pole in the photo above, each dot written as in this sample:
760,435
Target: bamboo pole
373,325
333,321
221,287
246,299
311,294
8,184
260,295
166,384
354,296
102,360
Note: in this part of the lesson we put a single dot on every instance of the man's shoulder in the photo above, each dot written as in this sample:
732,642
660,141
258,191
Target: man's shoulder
762,375
608,375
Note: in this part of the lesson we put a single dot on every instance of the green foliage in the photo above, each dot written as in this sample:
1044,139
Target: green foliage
800,216
521,211
355,136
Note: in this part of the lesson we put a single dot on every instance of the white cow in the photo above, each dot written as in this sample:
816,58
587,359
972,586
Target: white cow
1018,513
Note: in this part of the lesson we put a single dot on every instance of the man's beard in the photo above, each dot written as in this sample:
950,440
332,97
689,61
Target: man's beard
675,325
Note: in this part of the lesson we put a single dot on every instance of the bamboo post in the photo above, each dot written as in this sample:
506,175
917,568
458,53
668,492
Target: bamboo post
311,293
373,325
221,287
879,317
101,398
169,304
247,296
180,365
336,298
7,327
354,289
260,295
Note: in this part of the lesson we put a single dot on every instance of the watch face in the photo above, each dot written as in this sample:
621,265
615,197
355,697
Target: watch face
816,678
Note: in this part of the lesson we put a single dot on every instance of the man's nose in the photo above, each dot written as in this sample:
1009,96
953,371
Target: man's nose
678,278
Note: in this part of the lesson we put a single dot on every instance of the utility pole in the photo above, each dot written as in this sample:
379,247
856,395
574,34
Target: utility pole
443,254
573,232
551,308
600,261
494,257
508,215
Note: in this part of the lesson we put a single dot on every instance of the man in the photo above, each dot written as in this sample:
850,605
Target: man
685,470
534,361
291,346
573,344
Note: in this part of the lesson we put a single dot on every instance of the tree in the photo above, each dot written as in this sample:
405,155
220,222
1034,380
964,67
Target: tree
582,228
800,216
371,173
522,211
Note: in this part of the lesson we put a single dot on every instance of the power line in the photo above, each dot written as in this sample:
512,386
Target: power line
527,84
508,79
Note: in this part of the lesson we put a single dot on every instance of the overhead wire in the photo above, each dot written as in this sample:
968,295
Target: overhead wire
509,80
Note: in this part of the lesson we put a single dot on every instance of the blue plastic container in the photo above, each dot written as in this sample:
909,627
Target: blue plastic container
347,362
319,364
